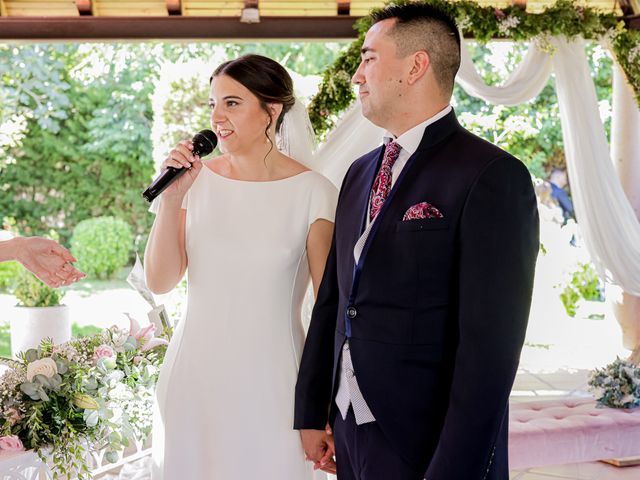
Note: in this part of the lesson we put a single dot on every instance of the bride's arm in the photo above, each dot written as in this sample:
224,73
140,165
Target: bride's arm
318,245
165,258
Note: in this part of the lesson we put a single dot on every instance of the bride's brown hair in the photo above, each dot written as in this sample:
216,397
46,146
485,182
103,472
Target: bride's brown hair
266,79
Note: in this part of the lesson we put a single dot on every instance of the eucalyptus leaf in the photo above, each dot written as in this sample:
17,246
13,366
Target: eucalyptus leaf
31,355
55,381
30,390
42,394
111,456
91,418
62,365
42,380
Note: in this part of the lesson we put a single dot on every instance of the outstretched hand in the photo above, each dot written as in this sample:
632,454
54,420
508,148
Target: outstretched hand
47,260
319,448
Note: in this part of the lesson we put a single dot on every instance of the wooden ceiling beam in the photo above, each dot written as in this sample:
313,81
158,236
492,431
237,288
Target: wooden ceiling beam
251,3
174,27
633,22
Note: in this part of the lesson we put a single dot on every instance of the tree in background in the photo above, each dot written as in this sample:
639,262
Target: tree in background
530,131
80,124
76,119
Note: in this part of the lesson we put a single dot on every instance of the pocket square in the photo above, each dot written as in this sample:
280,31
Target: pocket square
422,210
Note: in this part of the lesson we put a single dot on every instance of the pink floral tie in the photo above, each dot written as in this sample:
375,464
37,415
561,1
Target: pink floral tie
382,184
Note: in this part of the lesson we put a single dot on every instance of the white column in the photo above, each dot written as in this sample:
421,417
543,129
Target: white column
625,154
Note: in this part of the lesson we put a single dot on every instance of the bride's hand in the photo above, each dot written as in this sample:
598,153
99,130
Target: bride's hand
182,157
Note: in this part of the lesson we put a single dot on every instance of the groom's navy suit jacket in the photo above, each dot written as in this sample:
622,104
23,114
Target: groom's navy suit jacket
435,310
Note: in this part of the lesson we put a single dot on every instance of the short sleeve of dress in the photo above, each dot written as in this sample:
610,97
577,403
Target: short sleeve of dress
324,199
155,205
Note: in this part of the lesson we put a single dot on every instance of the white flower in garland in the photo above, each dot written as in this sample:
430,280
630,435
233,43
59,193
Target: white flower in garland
634,54
543,42
506,25
464,23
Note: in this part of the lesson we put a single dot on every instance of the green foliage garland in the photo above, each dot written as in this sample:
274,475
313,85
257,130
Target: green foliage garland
485,23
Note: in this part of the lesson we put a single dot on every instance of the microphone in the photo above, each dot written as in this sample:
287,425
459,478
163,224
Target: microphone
203,144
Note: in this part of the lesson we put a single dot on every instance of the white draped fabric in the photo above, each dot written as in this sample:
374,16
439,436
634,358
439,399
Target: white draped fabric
607,221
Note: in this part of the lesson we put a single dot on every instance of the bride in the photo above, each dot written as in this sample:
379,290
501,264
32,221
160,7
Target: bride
250,227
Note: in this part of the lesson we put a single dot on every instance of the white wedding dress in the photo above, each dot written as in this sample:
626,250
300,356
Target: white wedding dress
225,397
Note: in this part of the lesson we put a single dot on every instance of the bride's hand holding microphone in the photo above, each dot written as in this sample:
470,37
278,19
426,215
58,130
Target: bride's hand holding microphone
181,167
182,157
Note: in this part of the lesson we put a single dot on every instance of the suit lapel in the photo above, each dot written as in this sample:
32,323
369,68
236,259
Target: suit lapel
355,207
433,134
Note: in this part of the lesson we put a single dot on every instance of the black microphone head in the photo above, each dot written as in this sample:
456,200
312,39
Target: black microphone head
204,142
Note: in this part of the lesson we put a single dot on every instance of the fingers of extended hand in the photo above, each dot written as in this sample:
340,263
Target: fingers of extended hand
54,269
62,252
69,274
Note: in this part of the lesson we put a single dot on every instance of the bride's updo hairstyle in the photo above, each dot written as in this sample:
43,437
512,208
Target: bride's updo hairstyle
265,78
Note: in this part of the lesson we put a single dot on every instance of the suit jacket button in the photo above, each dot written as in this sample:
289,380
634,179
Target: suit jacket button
352,312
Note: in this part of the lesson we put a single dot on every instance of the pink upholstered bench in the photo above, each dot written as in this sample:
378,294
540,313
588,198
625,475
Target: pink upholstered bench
553,432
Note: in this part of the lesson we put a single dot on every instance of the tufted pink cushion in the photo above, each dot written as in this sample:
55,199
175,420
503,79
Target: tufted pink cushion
552,432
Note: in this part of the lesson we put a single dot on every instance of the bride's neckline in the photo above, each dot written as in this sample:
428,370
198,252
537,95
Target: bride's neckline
256,181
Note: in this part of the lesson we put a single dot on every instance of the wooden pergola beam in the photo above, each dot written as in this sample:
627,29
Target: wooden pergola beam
174,27
629,7
632,22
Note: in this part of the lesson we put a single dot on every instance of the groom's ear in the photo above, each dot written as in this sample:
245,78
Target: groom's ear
420,63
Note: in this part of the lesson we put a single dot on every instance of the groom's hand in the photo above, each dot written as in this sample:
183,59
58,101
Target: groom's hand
328,463
318,447
314,444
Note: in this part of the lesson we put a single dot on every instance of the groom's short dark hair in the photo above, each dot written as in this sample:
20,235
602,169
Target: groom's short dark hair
425,27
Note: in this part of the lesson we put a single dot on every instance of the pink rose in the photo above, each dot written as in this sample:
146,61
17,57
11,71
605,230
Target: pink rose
11,443
499,14
103,351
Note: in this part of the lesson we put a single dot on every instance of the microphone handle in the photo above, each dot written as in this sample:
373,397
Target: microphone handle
169,175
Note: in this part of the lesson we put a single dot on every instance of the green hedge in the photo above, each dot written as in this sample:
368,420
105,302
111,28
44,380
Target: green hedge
102,246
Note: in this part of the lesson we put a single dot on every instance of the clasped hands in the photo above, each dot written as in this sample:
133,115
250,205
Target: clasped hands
319,448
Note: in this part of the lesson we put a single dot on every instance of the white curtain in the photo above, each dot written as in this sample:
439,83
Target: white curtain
607,221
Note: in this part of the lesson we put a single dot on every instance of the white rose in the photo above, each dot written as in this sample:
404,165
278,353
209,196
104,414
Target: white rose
44,366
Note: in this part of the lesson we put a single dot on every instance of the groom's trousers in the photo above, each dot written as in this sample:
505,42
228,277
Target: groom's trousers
364,453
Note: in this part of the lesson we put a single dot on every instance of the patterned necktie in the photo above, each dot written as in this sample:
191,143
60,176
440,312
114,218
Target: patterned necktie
382,184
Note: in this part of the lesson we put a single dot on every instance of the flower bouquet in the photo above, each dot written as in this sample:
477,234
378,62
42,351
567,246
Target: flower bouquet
87,394
617,384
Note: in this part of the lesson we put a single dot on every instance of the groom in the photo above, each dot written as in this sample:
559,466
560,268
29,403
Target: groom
416,333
